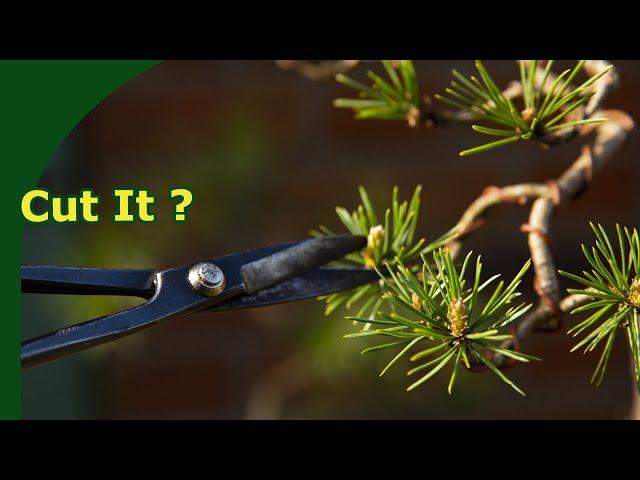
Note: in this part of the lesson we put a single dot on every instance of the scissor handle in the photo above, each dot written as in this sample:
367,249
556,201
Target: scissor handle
173,296
87,281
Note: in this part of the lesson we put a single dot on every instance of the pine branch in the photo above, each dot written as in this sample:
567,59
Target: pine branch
395,98
563,109
551,111
439,310
320,69
614,285
390,239
546,198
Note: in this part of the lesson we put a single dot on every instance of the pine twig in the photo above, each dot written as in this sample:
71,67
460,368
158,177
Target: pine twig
547,197
318,70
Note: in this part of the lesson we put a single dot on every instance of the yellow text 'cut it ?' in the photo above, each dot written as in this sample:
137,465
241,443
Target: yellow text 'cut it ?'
131,205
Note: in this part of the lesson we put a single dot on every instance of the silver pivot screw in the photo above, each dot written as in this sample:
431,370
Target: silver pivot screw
207,279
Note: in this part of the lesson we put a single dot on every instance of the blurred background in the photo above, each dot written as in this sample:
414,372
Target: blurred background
267,158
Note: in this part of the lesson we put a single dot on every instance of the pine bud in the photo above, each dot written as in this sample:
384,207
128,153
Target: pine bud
416,301
457,317
375,235
527,115
413,116
634,294
369,261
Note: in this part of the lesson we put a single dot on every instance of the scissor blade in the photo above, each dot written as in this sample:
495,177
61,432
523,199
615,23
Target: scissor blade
321,281
304,257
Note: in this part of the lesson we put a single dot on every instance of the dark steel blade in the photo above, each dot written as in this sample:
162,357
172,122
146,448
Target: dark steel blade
321,281
298,260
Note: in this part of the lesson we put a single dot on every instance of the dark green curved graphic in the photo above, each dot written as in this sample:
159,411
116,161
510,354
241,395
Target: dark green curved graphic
41,102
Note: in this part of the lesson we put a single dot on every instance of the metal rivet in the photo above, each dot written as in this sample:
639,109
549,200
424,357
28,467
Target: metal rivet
207,279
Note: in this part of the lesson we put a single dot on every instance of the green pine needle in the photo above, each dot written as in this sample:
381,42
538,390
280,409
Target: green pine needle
391,238
614,285
541,113
394,98
442,319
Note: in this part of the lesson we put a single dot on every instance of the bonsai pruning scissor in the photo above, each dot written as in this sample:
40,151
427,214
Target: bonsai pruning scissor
253,278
